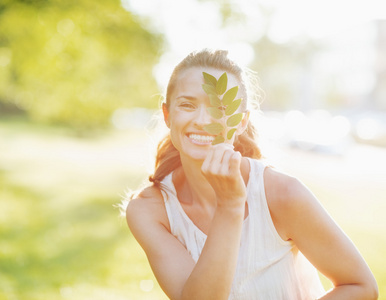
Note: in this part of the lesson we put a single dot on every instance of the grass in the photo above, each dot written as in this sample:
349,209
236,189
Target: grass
352,189
62,237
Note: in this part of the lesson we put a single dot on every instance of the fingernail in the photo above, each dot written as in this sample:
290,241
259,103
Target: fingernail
229,145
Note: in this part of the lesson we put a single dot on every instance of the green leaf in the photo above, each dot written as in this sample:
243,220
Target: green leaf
230,95
222,83
218,140
231,133
214,100
215,112
214,128
234,120
209,89
209,79
232,107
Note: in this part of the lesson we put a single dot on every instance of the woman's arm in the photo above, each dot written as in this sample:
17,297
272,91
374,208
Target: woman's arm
298,216
211,277
169,260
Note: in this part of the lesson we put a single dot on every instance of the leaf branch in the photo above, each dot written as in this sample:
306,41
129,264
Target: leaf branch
222,108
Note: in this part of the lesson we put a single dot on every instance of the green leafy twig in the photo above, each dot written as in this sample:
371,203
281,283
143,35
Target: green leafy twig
223,107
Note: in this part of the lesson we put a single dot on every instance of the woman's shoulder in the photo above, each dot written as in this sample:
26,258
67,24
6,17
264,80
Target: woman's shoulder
286,197
283,189
280,185
146,208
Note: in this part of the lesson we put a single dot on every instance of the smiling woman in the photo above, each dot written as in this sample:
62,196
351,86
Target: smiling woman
217,223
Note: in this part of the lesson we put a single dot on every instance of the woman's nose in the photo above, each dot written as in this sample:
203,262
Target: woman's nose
202,117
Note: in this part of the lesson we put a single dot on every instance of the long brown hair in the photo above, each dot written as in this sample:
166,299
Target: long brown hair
168,157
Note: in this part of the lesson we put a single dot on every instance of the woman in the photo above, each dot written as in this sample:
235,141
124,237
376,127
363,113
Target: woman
218,224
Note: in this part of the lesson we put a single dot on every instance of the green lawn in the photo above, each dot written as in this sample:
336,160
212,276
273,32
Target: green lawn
62,237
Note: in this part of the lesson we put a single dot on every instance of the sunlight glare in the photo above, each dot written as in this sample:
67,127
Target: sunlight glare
146,285
368,128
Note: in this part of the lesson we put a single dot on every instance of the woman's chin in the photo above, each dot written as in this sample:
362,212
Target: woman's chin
197,155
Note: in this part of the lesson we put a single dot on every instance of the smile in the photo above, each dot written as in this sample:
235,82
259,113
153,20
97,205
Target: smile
201,139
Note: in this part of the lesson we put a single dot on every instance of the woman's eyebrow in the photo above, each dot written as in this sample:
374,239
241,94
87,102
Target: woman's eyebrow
187,97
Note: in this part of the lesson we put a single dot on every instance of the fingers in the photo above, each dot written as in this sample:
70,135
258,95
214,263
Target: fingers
235,162
221,169
219,152
224,167
213,162
222,160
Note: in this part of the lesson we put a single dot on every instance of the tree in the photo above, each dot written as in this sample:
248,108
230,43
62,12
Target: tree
75,62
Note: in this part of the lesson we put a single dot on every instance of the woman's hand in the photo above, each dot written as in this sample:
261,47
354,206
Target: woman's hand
221,168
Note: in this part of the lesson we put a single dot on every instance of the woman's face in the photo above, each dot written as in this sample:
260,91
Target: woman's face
187,114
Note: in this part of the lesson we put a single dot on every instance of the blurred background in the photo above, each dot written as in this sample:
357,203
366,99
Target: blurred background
81,80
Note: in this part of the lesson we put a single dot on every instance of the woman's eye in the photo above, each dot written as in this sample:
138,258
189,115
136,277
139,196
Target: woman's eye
187,105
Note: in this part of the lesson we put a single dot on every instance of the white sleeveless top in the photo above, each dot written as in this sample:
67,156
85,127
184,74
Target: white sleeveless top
268,267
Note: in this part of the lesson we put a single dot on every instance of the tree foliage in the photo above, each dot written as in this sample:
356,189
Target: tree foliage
75,62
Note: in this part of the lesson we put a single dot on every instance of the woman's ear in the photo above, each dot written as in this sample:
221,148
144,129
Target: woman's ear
244,123
165,113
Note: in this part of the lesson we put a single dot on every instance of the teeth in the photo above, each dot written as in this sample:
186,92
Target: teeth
201,138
